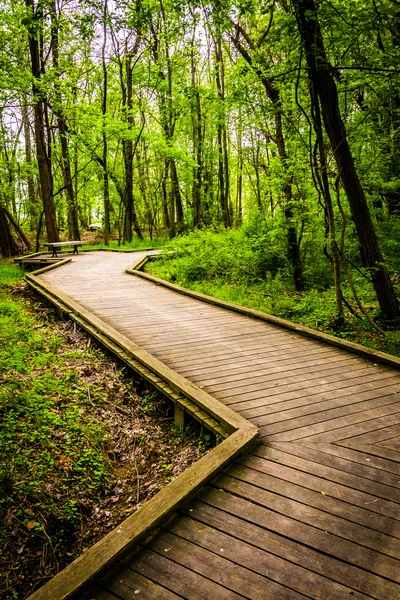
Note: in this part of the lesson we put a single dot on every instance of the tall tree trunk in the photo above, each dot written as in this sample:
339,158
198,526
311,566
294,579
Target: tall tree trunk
223,165
32,206
73,220
321,174
131,220
197,140
177,200
239,184
106,193
44,162
274,96
320,74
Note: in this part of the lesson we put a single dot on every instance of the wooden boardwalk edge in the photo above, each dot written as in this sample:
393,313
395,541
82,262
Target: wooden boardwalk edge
369,353
243,435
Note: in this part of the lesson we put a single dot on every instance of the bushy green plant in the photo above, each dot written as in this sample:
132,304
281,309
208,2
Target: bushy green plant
230,255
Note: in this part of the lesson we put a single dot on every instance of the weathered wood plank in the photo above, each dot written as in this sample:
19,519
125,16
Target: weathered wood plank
296,521
256,556
252,523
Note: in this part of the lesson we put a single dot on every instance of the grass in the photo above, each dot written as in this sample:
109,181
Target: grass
50,449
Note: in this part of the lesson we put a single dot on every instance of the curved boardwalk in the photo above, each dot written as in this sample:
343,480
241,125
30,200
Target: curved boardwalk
313,510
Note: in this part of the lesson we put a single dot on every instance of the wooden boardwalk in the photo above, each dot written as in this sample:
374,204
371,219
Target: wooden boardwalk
313,510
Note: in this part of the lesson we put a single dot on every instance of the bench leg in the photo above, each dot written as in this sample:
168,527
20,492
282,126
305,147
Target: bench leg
54,255
75,250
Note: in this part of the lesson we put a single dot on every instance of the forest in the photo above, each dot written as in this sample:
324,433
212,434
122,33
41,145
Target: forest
277,121
256,141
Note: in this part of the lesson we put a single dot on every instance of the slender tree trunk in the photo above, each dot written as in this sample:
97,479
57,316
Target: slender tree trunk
164,198
177,196
131,220
73,220
106,193
223,165
273,94
43,158
320,74
239,185
197,137
322,176
32,205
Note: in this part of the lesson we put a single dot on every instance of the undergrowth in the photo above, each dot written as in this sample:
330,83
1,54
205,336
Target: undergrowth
247,268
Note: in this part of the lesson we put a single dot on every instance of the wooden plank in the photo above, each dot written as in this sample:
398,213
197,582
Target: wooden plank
350,503
127,584
306,507
374,355
251,523
184,582
354,456
294,398
321,463
298,388
99,594
372,437
256,556
373,449
219,565
356,412
229,371
347,427
290,523
274,404
277,379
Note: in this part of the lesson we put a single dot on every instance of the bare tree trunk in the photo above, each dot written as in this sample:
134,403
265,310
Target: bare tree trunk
44,162
197,137
273,94
322,177
32,202
239,184
106,193
320,74
131,220
73,220
223,165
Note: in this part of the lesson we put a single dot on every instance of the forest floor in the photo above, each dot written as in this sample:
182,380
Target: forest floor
83,441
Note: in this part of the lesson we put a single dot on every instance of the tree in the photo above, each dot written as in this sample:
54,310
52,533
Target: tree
321,77
34,24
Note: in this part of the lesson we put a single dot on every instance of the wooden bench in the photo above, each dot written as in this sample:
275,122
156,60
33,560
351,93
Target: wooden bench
55,245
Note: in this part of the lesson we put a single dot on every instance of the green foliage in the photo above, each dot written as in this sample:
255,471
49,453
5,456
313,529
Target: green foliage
52,452
236,256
